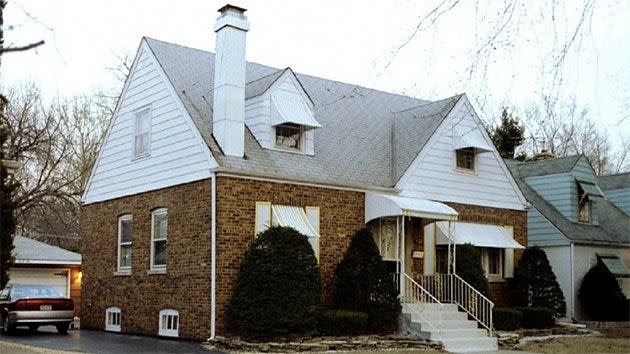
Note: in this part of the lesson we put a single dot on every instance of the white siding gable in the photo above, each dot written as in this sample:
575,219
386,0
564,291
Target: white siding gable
433,175
258,112
177,153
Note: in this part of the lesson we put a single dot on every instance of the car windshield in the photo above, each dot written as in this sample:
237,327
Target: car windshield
34,292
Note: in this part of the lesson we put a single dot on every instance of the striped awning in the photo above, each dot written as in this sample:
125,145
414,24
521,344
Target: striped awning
295,217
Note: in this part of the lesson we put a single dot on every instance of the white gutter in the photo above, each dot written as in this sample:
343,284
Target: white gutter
213,258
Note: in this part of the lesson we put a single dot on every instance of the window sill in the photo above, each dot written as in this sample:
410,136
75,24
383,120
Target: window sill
495,279
156,271
140,157
122,273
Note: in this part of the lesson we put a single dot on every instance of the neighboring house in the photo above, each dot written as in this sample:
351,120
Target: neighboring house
39,263
205,151
616,189
575,222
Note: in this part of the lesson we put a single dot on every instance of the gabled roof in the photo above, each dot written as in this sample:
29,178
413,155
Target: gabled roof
616,181
614,225
546,167
353,148
32,251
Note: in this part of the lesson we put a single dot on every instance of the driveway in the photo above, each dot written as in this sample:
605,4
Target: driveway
101,342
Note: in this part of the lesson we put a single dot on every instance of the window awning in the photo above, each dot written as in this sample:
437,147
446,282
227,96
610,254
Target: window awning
470,138
480,235
295,217
615,265
381,205
291,108
590,188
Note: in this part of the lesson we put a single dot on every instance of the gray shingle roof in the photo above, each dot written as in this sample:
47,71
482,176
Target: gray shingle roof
545,167
354,145
616,181
614,225
32,251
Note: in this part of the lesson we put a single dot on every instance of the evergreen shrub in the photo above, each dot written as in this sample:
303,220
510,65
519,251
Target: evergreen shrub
341,322
507,318
600,296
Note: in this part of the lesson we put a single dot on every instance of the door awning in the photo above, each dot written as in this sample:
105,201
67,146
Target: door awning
615,265
291,108
480,235
381,205
470,138
295,217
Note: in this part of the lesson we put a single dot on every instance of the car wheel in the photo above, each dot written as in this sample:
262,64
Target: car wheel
7,327
63,328
33,328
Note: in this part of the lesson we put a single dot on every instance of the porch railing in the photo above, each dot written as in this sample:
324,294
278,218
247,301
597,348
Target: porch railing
452,288
422,304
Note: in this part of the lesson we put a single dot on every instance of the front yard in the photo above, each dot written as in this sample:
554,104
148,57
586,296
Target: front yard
615,340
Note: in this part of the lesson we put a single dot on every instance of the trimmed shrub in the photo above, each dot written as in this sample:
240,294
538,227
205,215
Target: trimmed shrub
278,284
507,318
537,317
600,296
341,322
364,284
468,267
535,285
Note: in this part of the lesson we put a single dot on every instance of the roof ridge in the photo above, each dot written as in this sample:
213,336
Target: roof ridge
549,160
614,174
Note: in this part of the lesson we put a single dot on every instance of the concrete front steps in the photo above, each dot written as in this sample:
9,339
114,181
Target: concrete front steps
459,335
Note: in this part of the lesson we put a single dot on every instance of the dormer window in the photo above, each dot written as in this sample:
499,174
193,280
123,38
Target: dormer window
465,158
584,205
289,136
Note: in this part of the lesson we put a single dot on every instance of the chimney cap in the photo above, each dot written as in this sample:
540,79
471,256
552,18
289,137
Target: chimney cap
228,7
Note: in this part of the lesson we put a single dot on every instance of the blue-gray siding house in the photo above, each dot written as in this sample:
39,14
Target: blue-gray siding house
576,218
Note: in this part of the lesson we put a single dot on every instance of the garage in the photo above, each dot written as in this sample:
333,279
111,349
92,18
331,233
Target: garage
56,277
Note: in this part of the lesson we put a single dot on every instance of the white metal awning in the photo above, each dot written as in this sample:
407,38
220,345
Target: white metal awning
470,138
590,188
295,217
480,235
382,205
291,108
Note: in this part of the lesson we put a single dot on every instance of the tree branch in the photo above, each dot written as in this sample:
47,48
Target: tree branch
22,48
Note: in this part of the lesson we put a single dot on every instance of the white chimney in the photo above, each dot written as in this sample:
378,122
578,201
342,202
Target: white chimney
228,119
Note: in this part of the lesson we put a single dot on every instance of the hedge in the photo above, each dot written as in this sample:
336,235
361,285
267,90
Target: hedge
507,319
341,322
537,317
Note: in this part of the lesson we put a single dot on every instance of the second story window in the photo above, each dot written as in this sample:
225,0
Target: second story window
289,136
159,234
125,242
584,205
142,130
465,158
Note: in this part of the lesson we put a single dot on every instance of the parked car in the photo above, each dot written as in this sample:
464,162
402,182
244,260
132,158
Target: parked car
34,306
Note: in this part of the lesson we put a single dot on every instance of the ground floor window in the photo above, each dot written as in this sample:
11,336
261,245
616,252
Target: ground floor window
441,259
492,261
386,238
169,323
112,319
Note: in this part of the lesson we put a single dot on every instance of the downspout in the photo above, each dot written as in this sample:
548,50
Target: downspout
572,257
213,258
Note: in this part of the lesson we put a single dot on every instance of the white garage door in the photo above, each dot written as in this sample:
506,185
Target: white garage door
58,278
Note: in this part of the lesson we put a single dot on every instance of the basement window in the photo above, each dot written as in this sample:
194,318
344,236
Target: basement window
465,158
289,136
112,319
169,323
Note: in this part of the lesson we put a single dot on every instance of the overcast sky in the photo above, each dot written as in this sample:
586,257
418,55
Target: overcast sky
348,41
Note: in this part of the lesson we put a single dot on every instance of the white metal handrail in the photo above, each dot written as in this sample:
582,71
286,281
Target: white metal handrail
452,288
415,294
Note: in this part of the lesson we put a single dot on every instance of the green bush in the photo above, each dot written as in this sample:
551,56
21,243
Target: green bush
278,284
341,322
507,318
364,284
537,317
535,285
468,267
600,295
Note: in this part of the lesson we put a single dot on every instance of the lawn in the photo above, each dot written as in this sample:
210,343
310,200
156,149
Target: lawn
580,345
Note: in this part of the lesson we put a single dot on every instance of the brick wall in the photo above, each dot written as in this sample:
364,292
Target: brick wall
341,214
186,285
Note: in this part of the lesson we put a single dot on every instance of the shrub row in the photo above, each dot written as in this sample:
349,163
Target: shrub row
340,322
511,318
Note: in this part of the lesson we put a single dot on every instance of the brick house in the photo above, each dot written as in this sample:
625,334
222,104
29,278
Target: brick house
205,150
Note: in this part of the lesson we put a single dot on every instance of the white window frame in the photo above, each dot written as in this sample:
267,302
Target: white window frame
113,319
165,322
486,263
474,161
313,215
126,217
299,149
160,211
136,133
